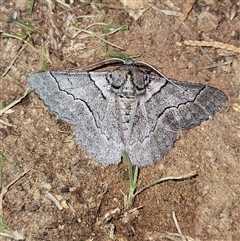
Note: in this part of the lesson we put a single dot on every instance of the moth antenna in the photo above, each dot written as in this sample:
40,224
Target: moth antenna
141,63
102,63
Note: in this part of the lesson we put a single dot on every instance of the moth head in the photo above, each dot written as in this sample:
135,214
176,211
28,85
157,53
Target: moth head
128,81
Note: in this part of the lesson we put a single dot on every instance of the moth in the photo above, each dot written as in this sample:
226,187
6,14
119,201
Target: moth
133,108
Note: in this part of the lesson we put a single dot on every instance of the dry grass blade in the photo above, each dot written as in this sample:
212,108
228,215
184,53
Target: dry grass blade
216,65
14,103
97,36
178,228
5,189
213,44
7,124
14,59
55,201
178,236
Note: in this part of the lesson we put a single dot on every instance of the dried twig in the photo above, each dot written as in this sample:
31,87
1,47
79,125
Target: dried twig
187,7
189,175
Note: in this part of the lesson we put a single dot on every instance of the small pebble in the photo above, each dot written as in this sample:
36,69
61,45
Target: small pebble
207,22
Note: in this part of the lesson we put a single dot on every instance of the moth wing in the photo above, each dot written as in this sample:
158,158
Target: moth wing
79,99
169,106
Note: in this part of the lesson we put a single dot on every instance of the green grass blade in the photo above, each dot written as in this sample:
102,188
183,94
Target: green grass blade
129,163
119,55
23,25
2,158
109,27
16,36
32,2
132,178
10,75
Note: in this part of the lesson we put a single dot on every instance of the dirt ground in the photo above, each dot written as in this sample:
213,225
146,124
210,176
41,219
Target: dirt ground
91,205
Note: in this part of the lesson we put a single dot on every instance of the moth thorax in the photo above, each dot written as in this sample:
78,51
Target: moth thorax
128,89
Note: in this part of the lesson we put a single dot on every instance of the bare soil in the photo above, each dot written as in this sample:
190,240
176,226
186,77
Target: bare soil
207,206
